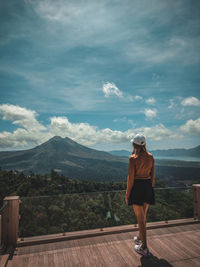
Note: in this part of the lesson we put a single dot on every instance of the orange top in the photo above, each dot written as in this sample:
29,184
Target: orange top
140,166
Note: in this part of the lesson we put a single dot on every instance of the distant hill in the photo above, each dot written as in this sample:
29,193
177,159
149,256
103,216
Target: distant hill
192,152
67,157
177,152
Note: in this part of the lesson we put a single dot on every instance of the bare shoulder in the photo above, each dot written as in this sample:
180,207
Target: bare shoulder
150,155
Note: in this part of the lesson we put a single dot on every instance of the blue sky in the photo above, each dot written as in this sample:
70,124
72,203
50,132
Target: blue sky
99,72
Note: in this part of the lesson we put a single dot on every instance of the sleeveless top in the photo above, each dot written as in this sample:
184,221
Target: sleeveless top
140,167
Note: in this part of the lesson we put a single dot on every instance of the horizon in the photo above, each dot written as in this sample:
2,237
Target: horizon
100,72
94,148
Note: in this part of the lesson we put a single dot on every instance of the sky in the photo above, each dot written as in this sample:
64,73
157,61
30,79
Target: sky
100,72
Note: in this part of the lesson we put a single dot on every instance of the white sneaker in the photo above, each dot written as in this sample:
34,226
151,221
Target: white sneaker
143,251
137,240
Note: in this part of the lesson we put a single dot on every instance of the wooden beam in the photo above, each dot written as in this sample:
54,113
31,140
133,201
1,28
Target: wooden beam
44,239
196,201
11,220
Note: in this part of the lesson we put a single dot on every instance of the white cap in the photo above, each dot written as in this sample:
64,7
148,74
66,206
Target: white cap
139,139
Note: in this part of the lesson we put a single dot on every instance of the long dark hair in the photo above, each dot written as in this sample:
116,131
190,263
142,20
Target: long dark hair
137,149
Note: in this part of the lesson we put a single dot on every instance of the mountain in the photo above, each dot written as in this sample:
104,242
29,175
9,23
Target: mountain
66,157
73,160
192,152
177,152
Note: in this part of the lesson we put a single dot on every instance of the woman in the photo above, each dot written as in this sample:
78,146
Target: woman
140,192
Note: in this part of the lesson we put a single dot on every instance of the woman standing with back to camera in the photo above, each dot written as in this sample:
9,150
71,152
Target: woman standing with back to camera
140,192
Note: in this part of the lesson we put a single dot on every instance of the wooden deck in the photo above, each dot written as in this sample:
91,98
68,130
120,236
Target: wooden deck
170,245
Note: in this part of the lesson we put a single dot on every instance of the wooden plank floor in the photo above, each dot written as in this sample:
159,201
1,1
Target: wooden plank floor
169,246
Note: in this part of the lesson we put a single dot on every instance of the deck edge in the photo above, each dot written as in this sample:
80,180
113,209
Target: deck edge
28,241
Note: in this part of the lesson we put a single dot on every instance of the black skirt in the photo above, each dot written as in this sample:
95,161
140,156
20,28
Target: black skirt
142,191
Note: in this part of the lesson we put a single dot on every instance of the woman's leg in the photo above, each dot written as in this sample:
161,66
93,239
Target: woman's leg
140,215
145,208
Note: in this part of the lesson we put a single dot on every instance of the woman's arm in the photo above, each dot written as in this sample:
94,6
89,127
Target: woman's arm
153,173
131,176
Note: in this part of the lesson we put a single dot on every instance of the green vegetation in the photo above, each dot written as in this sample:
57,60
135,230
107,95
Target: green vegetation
53,203
18,183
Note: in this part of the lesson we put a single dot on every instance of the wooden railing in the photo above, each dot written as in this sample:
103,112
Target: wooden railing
9,217
2,210
9,221
196,201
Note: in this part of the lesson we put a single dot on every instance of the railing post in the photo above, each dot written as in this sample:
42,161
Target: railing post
196,201
11,220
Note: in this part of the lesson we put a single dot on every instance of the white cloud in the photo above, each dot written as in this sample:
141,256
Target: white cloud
151,101
158,132
150,113
22,138
85,133
88,135
191,101
138,97
21,116
191,127
34,133
111,89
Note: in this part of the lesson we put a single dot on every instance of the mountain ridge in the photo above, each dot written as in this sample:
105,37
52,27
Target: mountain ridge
74,160
191,152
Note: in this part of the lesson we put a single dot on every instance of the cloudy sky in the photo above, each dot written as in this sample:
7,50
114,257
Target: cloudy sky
100,72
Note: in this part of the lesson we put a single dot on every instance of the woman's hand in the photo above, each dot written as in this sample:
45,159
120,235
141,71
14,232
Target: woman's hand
126,199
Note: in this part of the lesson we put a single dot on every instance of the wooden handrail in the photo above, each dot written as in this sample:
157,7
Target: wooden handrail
196,201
